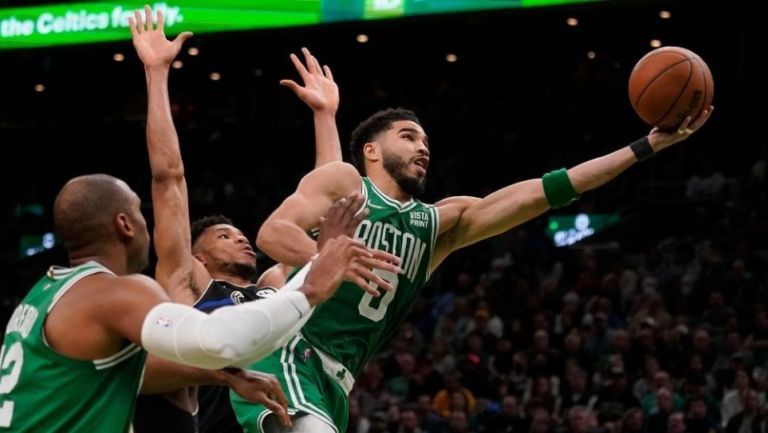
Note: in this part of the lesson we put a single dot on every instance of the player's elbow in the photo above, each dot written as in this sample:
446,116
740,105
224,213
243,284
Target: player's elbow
228,341
266,236
168,171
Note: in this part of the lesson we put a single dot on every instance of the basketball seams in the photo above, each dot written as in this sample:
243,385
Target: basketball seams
659,74
682,90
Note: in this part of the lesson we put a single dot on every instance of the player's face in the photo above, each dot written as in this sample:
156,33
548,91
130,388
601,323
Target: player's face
226,249
405,155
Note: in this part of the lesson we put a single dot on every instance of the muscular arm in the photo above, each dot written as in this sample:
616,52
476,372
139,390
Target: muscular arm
465,221
283,236
175,265
161,376
327,143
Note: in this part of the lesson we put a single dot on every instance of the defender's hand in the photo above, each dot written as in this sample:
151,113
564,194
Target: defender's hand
320,92
345,259
153,48
343,218
260,388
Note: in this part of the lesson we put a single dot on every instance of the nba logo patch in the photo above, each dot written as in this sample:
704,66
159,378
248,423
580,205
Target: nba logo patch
164,322
306,354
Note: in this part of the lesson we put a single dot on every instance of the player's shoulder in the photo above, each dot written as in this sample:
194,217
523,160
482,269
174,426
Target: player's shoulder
458,201
339,169
132,285
338,177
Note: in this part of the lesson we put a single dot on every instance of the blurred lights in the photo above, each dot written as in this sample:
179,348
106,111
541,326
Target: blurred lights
655,43
362,38
177,64
591,55
665,15
118,57
39,88
215,76
573,22
451,58
193,51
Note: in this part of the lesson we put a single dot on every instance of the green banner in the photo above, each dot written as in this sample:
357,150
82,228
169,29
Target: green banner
75,23
94,22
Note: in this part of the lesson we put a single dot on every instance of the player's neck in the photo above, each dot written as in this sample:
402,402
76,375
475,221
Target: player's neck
231,279
111,259
387,184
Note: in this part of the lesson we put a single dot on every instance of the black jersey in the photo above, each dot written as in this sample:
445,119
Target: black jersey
215,415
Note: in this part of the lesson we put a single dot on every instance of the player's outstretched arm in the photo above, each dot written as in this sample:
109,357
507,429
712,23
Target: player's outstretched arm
283,236
321,94
175,263
466,220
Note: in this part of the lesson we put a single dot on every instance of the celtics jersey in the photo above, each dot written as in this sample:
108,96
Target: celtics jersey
353,325
44,391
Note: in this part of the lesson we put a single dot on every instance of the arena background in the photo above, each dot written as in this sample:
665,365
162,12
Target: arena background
522,98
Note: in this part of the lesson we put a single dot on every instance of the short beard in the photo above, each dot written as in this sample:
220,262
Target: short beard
245,271
395,166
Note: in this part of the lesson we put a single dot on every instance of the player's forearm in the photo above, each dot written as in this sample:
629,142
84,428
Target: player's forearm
500,211
327,143
285,242
230,336
161,376
599,171
162,141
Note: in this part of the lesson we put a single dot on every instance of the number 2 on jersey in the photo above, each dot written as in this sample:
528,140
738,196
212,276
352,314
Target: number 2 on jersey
377,313
14,356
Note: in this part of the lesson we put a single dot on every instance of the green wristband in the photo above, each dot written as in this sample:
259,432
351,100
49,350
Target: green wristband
558,188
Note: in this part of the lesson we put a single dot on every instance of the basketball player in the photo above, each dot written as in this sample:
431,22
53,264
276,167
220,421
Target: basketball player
390,151
72,356
215,264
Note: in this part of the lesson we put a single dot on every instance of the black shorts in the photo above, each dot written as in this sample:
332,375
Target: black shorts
216,414
156,414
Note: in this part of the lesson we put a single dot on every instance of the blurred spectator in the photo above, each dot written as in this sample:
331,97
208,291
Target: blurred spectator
453,395
633,421
699,420
749,420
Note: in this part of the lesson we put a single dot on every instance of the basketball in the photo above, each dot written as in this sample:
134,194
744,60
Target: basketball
669,84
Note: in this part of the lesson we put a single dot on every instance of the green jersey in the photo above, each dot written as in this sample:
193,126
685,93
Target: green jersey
353,325
44,391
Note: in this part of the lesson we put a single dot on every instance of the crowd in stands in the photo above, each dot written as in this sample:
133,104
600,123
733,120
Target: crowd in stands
586,339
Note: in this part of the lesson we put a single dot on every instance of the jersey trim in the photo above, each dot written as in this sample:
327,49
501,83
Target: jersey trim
294,385
127,352
58,274
435,231
402,207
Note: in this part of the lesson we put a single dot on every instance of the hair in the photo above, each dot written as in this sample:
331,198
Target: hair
201,224
85,207
371,127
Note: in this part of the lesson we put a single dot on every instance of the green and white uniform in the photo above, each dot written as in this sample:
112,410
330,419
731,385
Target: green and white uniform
44,391
317,367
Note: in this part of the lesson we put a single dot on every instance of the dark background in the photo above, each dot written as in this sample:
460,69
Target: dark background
522,99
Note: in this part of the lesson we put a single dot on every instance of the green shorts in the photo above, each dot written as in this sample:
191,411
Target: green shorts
309,389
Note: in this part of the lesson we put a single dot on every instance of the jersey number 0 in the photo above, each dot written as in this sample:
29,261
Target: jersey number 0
365,306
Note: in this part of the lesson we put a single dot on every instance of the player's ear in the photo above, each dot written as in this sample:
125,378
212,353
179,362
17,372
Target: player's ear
124,227
372,151
201,258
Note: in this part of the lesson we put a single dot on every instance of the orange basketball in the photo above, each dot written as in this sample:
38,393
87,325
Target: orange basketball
669,84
